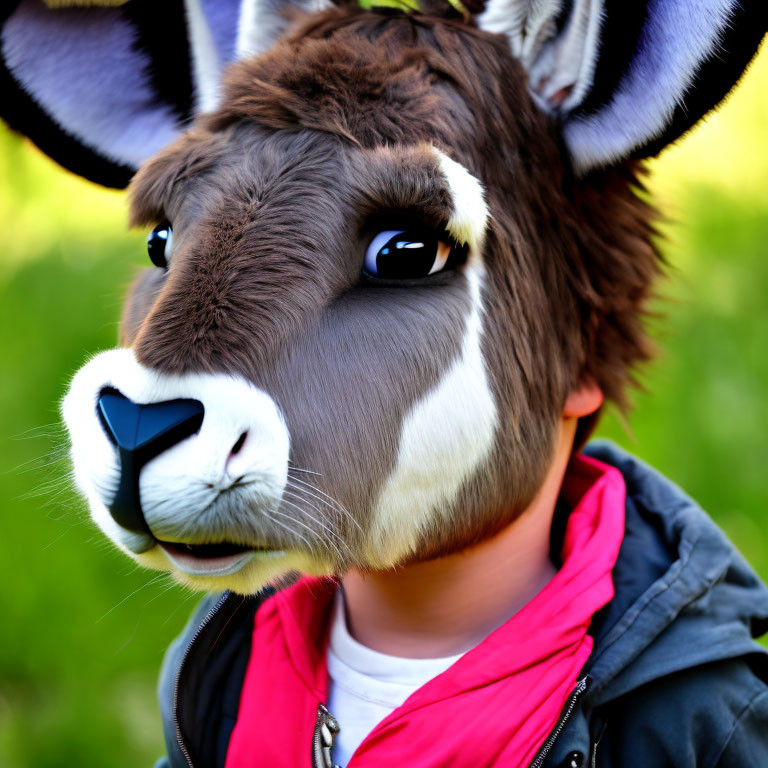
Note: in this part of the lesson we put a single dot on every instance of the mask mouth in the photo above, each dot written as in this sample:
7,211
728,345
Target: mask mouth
206,551
219,559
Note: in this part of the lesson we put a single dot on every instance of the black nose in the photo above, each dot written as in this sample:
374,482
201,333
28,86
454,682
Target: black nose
140,433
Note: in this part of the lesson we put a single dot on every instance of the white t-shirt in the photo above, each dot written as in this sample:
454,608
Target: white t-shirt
365,685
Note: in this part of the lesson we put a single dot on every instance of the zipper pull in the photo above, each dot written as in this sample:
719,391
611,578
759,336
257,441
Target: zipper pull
565,714
326,728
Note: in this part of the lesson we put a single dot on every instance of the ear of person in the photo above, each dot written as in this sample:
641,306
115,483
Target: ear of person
585,400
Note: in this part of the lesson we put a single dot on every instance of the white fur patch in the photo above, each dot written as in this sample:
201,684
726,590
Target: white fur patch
181,483
470,212
262,22
445,438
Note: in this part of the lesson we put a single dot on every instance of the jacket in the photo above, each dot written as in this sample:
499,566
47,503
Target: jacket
675,677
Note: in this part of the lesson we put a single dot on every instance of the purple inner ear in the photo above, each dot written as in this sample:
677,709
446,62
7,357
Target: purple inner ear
110,86
222,17
663,91
81,67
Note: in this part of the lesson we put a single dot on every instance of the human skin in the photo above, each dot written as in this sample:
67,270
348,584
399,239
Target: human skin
447,605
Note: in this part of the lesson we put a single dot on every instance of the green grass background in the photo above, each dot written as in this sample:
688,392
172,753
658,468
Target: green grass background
82,631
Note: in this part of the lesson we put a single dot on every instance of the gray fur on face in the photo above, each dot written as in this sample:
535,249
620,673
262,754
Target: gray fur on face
265,282
274,198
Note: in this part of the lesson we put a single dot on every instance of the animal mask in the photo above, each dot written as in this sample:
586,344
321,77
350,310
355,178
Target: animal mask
387,246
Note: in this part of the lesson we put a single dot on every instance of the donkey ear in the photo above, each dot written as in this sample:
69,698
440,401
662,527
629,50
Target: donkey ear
627,77
101,89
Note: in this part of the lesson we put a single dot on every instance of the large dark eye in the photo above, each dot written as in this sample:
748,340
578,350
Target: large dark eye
402,254
159,244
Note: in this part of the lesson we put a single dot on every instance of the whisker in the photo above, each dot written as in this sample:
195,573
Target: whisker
57,539
287,528
54,456
323,525
181,604
44,489
168,587
178,605
131,594
328,500
33,432
308,471
299,522
323,496
301,498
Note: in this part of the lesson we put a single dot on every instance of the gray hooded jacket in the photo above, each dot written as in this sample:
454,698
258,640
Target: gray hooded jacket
675,679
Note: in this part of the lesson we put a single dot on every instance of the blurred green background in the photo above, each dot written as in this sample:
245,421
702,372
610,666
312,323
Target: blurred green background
83,631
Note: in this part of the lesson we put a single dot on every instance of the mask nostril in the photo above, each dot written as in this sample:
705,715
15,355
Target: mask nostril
237,447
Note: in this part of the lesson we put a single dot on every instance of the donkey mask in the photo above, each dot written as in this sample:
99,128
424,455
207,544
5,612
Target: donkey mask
387,248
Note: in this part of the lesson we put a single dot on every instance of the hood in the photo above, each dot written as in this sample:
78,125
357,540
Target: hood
684,595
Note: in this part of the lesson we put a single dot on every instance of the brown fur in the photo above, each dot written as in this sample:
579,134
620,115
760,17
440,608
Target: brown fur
269,197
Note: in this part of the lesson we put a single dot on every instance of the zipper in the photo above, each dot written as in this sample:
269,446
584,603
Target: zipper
326,728
203,624
565,715
593,762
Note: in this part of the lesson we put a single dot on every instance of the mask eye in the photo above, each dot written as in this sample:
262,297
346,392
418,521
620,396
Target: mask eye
402,254
159,243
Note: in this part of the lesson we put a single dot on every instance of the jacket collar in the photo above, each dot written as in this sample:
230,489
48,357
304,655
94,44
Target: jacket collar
684,595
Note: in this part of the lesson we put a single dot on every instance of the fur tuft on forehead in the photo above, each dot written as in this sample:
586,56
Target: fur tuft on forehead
369,78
